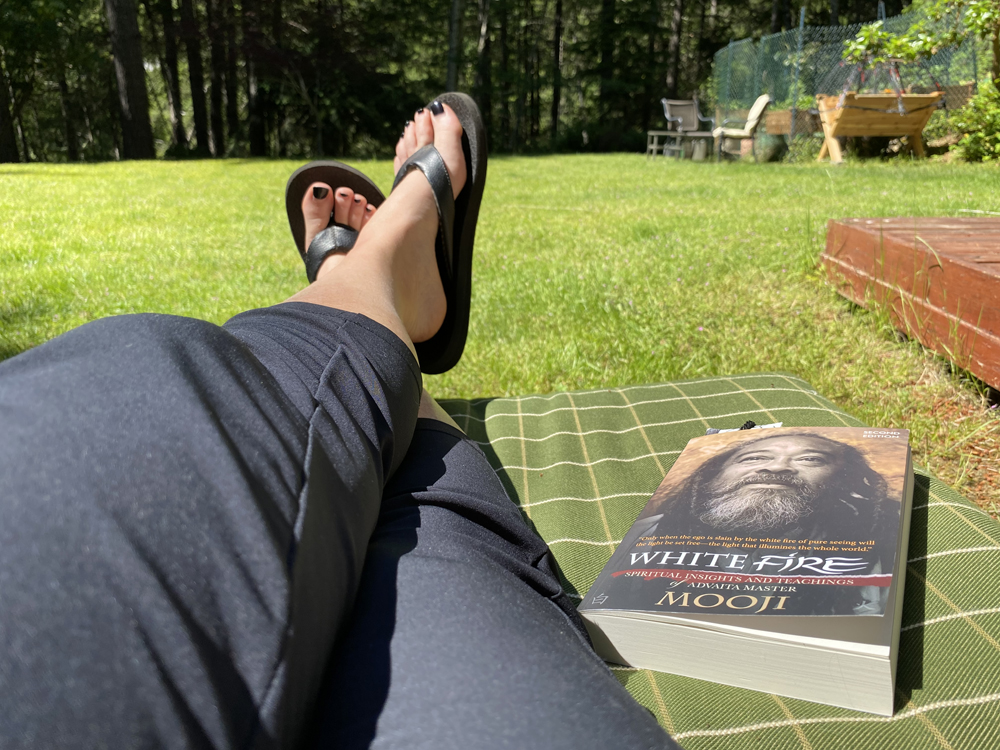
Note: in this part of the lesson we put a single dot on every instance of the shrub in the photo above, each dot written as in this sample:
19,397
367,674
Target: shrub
979,122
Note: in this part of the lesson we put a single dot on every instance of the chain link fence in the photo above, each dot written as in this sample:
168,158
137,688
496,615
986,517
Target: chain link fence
792,67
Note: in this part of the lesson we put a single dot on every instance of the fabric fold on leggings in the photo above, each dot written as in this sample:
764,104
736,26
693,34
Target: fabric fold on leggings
461,636
184,512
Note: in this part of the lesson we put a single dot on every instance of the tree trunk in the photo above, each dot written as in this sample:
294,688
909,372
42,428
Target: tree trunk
674,48
168,67
191,33
834,13
651,77
126,48
232,112
217,56
8,137
556,69
996,57
69,120
252,44
698,47
775,16
504,75
606,63
484,84
454,42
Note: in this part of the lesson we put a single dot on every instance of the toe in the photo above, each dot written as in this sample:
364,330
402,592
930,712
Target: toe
448,141
423,128
357,212
317,204
409,139
369,213
342,205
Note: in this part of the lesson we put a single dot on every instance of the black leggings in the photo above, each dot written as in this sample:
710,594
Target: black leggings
244,537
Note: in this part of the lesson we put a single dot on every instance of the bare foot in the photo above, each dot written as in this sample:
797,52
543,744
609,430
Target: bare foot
321,205
391,275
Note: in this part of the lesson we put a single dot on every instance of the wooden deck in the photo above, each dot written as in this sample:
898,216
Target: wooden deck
939,277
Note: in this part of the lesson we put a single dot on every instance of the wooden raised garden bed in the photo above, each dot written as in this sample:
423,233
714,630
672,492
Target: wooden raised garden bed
874,114
939,278
779,122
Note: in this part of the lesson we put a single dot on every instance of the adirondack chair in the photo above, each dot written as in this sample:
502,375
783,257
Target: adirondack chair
749,129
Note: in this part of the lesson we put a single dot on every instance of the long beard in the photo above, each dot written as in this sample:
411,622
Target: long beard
741,505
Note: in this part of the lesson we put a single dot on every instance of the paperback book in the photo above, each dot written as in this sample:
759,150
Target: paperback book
768,559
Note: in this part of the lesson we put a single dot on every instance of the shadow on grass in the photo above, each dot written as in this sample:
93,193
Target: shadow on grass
910,664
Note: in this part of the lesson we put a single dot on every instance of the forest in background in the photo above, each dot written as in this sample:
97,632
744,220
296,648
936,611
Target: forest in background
95,80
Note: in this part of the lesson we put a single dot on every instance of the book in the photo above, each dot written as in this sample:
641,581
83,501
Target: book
768,559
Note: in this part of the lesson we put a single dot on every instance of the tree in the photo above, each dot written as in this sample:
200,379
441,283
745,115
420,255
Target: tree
126,46
8,138
191,34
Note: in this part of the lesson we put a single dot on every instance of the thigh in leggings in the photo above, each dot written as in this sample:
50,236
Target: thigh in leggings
461,636
184,512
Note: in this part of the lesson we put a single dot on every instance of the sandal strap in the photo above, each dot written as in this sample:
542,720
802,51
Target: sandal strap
429,161
333,239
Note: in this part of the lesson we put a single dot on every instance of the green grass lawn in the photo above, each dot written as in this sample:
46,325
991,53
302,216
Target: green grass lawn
590,271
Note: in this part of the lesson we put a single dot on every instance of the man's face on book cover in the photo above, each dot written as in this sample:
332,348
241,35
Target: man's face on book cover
770,484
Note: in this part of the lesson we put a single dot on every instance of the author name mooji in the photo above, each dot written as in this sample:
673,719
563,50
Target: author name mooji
713,600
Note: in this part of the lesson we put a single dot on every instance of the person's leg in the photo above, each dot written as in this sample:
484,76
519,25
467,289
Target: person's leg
461,636
184,509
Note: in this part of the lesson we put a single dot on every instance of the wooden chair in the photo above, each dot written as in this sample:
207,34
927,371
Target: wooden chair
749,129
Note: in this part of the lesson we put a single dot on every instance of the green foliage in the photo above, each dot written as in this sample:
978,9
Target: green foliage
979,121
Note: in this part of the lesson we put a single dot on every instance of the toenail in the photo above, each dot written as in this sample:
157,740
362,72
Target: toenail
436,107
319,193
342,194
420,111
408,123
357,199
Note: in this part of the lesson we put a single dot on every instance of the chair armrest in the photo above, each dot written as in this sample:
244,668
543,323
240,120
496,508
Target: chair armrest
729,120
707,119
678,120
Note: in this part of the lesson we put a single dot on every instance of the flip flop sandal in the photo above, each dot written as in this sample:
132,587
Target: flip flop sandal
456,231
336,238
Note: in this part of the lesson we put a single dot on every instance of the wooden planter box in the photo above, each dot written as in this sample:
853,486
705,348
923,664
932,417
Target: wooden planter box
779,122
874,114
938,277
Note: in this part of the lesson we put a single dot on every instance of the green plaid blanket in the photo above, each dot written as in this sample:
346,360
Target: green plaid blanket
582,465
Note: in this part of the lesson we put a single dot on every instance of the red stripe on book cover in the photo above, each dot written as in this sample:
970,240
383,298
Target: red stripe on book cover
691,576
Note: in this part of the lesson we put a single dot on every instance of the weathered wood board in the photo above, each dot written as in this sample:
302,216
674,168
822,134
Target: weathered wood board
939,277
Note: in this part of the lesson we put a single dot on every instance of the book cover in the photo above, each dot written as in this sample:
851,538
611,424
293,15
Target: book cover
779,522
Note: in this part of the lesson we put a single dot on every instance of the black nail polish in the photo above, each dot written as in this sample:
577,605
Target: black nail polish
357,199
420,111
408,123
436,107
342,194
319,193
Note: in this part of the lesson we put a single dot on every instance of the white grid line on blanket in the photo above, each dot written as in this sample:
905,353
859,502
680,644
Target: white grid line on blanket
623,406
901,716
585,499
651,424
964,506
578,463
584,541
650,386
954,552
952,616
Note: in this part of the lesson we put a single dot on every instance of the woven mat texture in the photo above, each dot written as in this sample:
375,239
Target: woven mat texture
582,465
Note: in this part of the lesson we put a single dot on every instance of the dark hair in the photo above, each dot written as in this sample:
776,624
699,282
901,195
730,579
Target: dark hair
856,485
